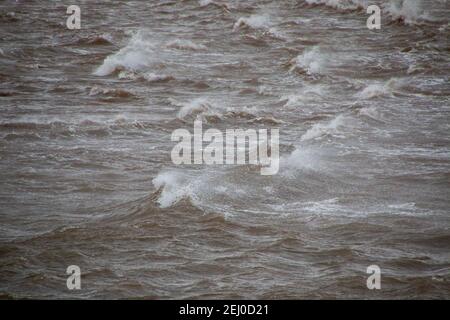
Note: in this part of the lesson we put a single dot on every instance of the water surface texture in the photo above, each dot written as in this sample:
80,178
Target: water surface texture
86,176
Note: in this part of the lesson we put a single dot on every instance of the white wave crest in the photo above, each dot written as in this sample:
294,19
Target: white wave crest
311,61
253,21
371,112
182,44
375,90
137,54
306,94
148,76
198,106
409,11
142,58
321,129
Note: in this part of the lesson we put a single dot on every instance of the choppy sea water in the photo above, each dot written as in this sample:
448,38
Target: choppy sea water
86,176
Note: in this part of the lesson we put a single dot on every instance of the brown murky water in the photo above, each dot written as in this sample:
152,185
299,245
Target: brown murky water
86,176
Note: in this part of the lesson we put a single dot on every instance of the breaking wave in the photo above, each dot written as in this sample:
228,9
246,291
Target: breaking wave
185,45
375,90
341,4
311,61
138,54
253,21
322,129
410,12
147,76
198,106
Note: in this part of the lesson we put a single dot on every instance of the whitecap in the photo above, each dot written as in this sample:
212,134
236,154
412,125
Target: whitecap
197,106
341,4
139,53
183,44
321,129
375,90
312,61
308,93
253,21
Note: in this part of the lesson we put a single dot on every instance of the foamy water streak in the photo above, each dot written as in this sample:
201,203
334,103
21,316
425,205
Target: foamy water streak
87,178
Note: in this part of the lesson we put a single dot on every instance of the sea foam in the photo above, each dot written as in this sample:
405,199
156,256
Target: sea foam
408,11
321,129
253,21
137,54
312,61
